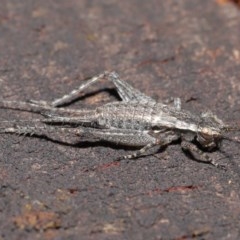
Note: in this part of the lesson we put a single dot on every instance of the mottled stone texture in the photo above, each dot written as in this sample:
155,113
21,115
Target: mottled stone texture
185,48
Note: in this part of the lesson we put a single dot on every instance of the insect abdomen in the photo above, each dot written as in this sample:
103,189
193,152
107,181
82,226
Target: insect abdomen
126,115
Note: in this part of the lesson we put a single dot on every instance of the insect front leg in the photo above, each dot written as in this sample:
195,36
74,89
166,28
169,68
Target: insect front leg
204,157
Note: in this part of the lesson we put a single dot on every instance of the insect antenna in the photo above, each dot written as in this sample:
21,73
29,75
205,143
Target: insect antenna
231,127
235,127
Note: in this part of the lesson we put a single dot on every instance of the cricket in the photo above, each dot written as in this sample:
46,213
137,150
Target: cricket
137,120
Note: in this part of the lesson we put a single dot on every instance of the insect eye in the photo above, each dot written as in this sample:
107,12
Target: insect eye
207,140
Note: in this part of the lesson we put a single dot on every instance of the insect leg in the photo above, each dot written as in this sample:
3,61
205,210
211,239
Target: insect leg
126,91
162,140
125,137
36,130
74,94
139,152
204,157
37,108
82,118
175,101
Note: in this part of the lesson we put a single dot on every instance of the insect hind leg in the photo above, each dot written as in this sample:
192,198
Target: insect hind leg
125,90
74,94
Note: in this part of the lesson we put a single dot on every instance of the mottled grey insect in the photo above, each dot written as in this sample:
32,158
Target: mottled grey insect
137,120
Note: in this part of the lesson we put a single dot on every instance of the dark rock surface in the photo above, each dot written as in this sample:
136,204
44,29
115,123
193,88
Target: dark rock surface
188,49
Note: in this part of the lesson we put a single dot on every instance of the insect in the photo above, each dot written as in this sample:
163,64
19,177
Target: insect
137,120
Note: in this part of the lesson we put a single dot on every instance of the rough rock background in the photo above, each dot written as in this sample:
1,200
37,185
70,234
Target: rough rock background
188,49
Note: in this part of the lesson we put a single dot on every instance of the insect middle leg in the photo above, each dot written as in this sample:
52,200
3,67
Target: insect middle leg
163,139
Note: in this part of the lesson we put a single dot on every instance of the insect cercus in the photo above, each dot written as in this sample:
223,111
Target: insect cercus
137,120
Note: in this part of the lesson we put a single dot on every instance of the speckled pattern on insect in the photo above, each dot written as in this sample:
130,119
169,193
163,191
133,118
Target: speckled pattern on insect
137,120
